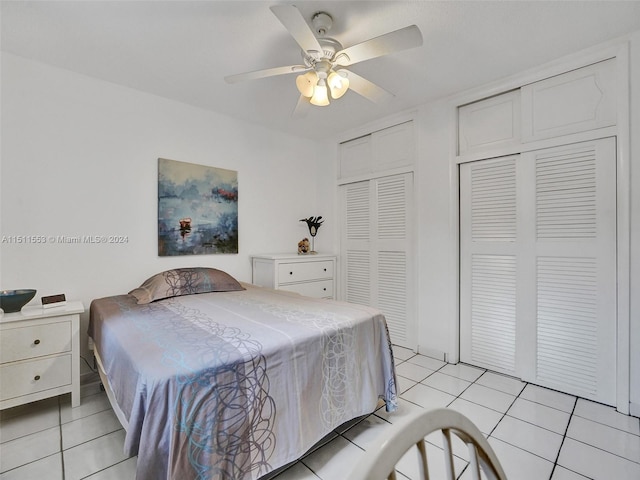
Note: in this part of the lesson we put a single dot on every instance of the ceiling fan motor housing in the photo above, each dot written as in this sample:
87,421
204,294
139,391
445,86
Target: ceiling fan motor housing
322,23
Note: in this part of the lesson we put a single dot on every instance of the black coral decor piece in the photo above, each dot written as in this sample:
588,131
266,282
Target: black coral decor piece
314,224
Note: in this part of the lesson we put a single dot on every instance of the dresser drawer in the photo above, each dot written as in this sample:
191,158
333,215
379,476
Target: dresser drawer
34,376
35,341
321,289
303,272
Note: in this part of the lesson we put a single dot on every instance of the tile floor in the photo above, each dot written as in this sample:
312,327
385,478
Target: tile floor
536,433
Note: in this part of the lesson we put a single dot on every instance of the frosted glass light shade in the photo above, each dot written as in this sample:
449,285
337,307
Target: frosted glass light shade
337,84
320,96
306,83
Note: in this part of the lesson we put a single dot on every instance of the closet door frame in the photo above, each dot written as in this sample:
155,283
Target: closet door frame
619,50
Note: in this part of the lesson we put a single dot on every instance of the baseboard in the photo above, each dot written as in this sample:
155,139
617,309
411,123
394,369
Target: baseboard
634,409
433,353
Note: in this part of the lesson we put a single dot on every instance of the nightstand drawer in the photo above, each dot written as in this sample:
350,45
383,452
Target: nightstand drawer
303,272
35,341
23,378
321,289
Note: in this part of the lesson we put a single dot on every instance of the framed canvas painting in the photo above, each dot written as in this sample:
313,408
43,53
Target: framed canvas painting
197,209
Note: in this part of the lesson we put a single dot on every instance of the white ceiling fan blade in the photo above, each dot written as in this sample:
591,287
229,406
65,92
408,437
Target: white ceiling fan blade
403,39
367,89
269,72
302,107
293,21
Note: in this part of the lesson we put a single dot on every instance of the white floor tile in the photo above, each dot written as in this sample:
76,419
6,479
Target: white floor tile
29,408
446,383
404,384
88,406
561,473
541,415
413,372
426,362
607,415
529,437
428,397
404,408
87,428
595,463
299,471
484,418
49,468
93,456
550,398
121,471
408,464
368,432
335,460
402,353
460,370
519,464
503,383
606,438
29,448
488,397
25,421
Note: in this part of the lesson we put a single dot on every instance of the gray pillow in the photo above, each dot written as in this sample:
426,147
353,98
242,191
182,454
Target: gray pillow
184,281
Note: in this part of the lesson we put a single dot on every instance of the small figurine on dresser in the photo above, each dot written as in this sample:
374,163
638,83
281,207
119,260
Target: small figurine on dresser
303,246
314,224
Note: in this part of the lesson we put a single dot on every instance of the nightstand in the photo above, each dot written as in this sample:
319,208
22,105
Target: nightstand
310,275
40,354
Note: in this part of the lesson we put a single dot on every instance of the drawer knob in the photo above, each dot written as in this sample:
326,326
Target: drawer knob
36,341
325,289
36,378
290,273
325,269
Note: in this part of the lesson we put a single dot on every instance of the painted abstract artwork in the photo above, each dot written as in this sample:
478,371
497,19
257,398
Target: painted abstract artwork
197,209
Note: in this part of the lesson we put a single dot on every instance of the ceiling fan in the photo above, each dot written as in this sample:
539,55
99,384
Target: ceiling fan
322,73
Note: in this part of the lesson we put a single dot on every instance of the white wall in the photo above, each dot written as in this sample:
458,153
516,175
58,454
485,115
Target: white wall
79,157
635,223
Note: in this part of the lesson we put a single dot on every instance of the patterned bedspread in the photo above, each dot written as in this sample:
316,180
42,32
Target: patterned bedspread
234,385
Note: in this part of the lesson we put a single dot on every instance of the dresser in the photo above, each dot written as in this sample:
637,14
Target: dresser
40,354
309,275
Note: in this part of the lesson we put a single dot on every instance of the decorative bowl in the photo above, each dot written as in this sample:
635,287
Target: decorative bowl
13,300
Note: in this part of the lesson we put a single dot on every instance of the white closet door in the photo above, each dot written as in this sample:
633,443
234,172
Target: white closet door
575,268
488,264
538,267
377,248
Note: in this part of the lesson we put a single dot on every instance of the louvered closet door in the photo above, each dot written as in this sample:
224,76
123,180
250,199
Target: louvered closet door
538,276
488,264
376,249
574,269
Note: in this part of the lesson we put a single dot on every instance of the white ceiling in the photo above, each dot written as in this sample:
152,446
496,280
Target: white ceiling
183,49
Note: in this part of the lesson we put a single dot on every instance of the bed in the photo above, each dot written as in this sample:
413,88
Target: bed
217,379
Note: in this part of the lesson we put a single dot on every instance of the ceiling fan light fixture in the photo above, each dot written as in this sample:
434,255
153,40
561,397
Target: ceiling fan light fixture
337,84
320,96
306,83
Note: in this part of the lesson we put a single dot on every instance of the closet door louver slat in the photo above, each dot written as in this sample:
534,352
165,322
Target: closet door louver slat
358,257
493,307
567,326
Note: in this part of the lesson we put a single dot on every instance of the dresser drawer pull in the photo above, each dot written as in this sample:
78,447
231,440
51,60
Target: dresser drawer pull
36,341
36,378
